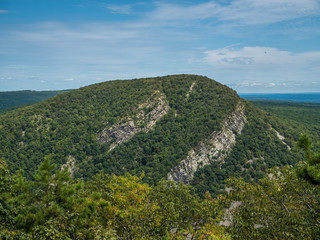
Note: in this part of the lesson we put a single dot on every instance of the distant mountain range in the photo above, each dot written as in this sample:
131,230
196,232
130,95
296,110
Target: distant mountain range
15,98
297,97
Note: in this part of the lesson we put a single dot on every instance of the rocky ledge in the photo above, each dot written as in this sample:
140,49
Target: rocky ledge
148,114
215,148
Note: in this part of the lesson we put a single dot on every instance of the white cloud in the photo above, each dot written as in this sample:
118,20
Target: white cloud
265,68
171,38
120,9
255,84
268,11
3,11
55,31
239,11
94,44
166,11
260,58
69,79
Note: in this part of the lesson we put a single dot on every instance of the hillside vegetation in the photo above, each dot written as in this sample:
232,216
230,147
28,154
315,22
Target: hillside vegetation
53,206
283,205
299,117
146,125
94,163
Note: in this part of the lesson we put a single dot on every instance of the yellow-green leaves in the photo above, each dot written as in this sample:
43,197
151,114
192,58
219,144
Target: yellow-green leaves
280,206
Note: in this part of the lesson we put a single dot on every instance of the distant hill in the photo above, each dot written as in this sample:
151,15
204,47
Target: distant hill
304,113
296,97
303,117
16,98
185,128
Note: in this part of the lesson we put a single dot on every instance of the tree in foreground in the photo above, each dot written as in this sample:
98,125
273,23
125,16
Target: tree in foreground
43,208
53,206
310,169
6,209
283,205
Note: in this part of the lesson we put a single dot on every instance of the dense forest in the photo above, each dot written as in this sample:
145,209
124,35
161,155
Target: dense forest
283,205
301,117
296,117
53,206
92,163
68,129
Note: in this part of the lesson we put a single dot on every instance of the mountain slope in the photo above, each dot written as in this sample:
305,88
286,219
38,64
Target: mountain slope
152,125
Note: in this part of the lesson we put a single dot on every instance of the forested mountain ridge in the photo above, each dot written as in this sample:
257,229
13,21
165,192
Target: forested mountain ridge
14,99
147,125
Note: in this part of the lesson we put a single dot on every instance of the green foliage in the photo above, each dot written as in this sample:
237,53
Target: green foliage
52,206
45,203
280,206
6,182
123,203
181,208
44,208
303,113
256,149
310,170
69,124
298,117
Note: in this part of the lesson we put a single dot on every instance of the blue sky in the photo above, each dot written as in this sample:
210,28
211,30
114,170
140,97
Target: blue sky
249,45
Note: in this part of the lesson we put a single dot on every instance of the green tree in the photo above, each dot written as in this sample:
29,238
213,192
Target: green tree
279,206
53,206
121,204
6,182
46,206
182,210
310,169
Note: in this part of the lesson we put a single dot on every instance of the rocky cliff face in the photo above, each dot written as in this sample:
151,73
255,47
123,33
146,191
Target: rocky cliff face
148,114
215,148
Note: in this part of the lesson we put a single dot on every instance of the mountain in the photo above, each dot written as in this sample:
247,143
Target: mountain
12,99
185,128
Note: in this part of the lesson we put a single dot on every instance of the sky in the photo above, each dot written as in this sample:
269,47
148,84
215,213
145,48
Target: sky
252,46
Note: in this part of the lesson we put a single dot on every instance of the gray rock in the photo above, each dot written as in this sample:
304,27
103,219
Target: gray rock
143,121
215,148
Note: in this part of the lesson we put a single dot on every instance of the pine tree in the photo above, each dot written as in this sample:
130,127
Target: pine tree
6,182
47,205
310,169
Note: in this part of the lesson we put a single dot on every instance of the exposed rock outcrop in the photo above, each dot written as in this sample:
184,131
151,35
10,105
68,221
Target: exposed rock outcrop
149,113
215,148
190,90
281,138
